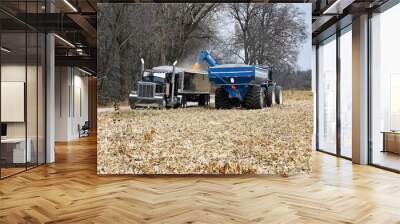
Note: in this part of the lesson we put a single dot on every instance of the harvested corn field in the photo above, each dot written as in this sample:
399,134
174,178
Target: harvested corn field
275,140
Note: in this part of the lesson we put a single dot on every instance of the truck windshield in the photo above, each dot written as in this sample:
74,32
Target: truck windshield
151,78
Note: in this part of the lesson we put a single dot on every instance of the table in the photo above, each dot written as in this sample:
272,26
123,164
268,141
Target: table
16,153
391,141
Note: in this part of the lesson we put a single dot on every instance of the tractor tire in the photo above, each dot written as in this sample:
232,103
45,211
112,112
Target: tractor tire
278,95
255,98
222,99
270,96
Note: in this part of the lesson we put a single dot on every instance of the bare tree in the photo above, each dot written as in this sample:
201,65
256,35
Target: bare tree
269,34
159,33
182,24
244,14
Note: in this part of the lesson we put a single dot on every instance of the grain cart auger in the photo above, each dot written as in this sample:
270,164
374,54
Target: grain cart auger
250,86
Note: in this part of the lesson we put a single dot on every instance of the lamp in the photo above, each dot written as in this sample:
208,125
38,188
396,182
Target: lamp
338,6
5,50
70,5
84,71
64,40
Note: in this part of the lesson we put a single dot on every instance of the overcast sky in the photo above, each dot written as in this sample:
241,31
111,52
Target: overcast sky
304,59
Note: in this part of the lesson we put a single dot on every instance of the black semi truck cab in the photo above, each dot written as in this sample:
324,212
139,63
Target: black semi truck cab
170,87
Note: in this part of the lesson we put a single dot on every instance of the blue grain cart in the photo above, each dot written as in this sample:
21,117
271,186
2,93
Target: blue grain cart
249,86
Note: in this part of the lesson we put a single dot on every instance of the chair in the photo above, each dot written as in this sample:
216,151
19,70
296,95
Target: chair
84,130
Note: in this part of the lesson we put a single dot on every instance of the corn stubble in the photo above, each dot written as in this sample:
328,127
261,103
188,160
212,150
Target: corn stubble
274,140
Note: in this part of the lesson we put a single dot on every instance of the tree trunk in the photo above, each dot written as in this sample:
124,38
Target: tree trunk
163,44
124,76
163,56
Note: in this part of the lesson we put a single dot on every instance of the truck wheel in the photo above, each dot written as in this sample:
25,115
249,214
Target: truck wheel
132,105
222,99
270,96
278,95
202,100
255,98
184,102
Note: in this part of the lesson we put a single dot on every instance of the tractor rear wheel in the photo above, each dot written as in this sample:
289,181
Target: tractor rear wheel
255,98
222,99
270,96
278,95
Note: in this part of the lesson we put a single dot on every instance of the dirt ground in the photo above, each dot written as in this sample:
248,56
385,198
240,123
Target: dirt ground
198,140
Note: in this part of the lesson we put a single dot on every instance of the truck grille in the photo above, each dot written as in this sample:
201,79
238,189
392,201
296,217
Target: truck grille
146,89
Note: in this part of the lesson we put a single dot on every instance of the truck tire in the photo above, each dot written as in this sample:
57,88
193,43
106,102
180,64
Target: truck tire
279,95
132,105
270,96
202,100
222,99
161,105
184,101
255,98
176,106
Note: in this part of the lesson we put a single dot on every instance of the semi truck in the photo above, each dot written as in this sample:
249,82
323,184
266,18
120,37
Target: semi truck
169,86
249,86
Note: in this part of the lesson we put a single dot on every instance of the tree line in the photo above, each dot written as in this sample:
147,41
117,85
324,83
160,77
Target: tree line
269,34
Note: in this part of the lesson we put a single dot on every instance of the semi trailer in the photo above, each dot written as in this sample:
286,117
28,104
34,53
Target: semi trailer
249,86
170,87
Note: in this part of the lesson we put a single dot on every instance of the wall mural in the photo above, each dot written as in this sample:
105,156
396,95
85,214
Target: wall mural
204,88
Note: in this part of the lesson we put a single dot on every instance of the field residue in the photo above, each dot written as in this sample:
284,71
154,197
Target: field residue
197,140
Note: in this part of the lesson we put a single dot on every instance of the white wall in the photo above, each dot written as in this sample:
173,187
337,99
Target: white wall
33,126
71,102
13,72
80,112
17,73
13,101
62,82
10,73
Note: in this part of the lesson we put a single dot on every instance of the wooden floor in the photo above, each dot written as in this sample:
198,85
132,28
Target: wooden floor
69,191
5,172
387,159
